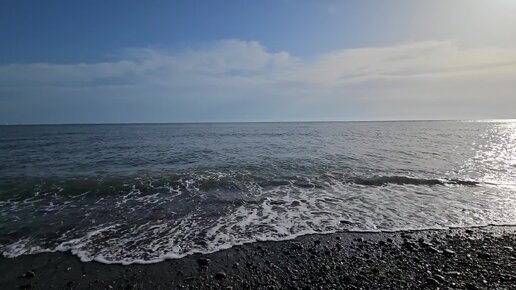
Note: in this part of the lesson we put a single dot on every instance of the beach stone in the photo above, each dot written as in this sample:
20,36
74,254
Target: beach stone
452,273
440,278
203,262
26,286
426,244
449,252
409,245
432,249
432,281
484,255
28,274
471,286
219,275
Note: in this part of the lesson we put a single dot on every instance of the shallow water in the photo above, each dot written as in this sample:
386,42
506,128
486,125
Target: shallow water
143,193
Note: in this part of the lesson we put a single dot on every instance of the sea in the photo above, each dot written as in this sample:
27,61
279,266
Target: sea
142,193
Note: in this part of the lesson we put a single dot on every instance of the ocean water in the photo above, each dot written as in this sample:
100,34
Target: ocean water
146,192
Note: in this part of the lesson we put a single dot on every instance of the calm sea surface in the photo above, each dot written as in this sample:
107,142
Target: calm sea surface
143,193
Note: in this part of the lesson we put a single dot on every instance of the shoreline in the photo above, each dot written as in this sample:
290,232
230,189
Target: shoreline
465,258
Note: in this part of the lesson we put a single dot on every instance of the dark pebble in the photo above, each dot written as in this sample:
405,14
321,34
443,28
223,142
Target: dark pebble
28,275
219,275
449,252
203,262
471,286
432,250
426,244
484,255
440,278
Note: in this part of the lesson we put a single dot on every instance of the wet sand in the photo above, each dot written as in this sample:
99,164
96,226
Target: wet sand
472,258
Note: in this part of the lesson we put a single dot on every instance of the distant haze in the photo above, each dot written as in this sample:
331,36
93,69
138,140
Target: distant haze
201,61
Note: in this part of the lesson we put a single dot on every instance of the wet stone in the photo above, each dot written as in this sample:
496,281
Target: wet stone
484,255
449,252
219,275
28,275
203,262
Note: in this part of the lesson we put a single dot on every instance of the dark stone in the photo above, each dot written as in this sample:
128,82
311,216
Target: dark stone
26,286
219,275
449,252
484,255
203,262
28,275
471,286
432,250
426,244
409,245
432,281
439,278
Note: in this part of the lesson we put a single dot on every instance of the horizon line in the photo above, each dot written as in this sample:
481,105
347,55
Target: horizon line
250,122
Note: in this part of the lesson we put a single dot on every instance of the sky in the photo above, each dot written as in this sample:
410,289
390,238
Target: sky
105,61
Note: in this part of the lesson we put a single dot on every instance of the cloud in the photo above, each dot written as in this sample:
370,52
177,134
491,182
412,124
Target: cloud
425,78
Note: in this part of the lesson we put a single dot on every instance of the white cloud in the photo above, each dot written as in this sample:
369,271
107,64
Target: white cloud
422,73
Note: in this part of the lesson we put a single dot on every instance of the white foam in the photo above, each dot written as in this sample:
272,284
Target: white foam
285,212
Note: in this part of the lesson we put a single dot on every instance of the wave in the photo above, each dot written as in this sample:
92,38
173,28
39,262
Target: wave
404,180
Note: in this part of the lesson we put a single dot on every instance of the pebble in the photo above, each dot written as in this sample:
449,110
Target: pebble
452,273
449,252
219,275
26,286
28,274
440,278
483,255
471,286
432,250
203,262
426,244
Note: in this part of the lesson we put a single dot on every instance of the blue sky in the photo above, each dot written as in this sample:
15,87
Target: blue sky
197,61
